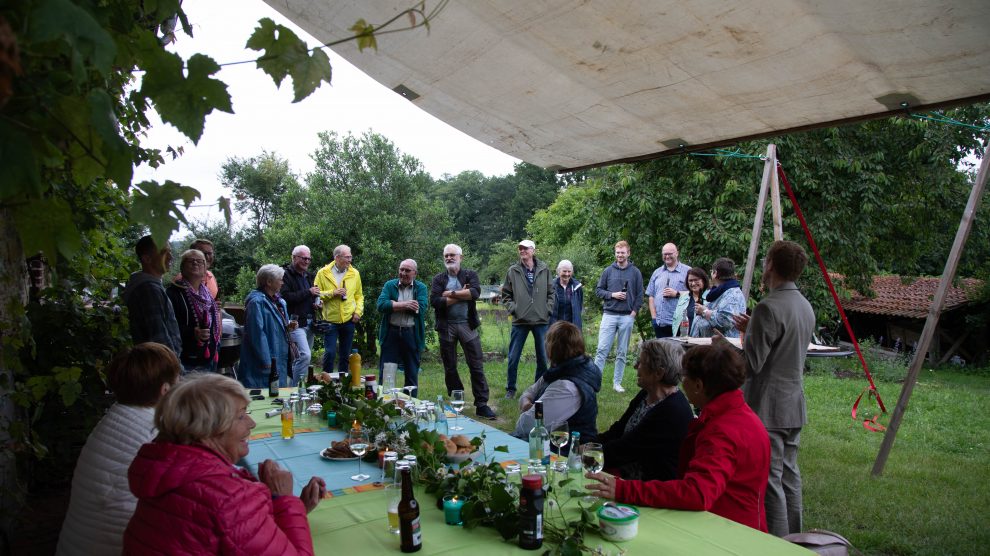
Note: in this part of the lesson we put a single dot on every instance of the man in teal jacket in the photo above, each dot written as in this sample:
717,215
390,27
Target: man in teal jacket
528,295
401,334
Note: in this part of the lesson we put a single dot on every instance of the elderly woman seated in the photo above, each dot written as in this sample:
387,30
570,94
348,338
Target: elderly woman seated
101,504
191,497
645,443
266,331
725,458
569,389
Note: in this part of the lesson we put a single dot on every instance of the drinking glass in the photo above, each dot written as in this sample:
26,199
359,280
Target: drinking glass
358,439
393,495
388,379
457,402
558,471
559,436
593,459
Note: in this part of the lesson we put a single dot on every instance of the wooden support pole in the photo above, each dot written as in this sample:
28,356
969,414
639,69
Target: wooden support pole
965,225
769,168
778,222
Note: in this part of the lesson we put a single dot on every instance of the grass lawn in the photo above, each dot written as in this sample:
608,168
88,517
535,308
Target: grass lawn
934,495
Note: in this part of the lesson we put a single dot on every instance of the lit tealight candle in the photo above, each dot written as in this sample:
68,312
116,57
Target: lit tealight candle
452,509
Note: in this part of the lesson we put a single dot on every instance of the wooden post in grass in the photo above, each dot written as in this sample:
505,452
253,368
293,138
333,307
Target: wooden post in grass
769,173
931,324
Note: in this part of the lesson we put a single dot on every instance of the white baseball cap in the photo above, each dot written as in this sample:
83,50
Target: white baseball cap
527,243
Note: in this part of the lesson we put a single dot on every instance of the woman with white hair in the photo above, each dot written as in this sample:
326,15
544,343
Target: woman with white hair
570,296
266,331
192,499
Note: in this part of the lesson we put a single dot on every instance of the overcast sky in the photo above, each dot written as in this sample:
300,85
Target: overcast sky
266,119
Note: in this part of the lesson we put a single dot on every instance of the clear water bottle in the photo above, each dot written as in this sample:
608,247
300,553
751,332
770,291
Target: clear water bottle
574,456
441,419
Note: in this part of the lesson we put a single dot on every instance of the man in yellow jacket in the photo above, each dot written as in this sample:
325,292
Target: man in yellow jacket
343,303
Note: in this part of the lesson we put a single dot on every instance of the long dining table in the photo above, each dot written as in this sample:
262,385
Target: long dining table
351,520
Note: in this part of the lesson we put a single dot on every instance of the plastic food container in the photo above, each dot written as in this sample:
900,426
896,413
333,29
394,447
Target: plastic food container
618,522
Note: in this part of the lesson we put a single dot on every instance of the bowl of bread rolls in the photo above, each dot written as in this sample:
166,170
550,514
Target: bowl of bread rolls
459,448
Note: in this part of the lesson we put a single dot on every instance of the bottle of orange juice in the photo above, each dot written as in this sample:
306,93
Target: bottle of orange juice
287,431
354,366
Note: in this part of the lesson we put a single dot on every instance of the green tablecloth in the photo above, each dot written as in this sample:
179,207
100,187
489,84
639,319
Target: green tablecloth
356,525
353,525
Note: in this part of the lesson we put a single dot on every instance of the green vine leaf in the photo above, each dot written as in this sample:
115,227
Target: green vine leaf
285,54
364,34
46,225
119,162
62,19
182,99
154,204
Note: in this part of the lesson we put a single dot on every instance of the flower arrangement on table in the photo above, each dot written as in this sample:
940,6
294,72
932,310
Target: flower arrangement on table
491,499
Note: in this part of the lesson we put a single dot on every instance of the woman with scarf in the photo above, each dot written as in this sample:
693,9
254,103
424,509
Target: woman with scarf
723,301
197,313
266,332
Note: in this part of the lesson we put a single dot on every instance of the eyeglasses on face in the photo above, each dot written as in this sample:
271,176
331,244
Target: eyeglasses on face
301,258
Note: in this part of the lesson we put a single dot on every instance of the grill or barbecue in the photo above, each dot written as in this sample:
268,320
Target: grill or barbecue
230,345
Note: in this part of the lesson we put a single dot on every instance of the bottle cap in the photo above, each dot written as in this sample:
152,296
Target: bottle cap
532,482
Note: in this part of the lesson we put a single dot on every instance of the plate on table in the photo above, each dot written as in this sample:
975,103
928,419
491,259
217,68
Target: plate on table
458,458
325,454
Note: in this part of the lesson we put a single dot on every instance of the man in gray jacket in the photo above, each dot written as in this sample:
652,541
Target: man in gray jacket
775,346
621,289
528,294
149,310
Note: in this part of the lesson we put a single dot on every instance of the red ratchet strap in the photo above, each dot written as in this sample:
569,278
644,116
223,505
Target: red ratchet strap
869,424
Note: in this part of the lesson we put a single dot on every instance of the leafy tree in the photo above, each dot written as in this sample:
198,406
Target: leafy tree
257,184
367,194
486,210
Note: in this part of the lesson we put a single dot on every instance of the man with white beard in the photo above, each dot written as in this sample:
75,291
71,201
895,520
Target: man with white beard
453,295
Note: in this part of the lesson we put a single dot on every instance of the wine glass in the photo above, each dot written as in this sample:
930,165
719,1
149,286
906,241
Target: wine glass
457,402
593,459
560,433
358,439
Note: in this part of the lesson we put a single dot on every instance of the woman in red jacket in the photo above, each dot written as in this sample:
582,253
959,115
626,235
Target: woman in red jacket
191,497
725,457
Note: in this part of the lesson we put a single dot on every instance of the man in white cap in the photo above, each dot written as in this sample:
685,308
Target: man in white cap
528,294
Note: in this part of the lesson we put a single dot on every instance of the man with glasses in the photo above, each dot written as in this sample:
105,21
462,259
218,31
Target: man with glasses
205,246
453,295
300,294
343,304
662,291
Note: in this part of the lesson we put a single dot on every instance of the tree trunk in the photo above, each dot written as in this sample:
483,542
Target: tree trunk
13,298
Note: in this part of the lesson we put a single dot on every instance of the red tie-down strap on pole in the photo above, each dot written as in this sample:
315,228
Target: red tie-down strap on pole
871,424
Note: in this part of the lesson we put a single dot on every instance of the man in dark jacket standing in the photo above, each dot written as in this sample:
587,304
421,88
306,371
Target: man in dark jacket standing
149,310
528,294
300,293
453,294
621,290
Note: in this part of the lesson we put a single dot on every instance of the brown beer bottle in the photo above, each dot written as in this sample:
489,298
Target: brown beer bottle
410,536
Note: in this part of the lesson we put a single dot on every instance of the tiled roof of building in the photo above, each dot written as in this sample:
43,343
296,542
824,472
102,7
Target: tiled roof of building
910,297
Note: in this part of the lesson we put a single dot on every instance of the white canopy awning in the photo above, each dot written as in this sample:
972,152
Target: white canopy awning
568,84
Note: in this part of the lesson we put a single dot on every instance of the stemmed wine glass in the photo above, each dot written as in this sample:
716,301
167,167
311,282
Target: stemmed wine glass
593,459
560,434
358,439
457,402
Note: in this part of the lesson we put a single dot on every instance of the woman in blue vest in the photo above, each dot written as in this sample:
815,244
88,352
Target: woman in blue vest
568,390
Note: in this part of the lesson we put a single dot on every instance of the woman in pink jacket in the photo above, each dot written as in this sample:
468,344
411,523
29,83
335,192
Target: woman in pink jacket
191,497
725,457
